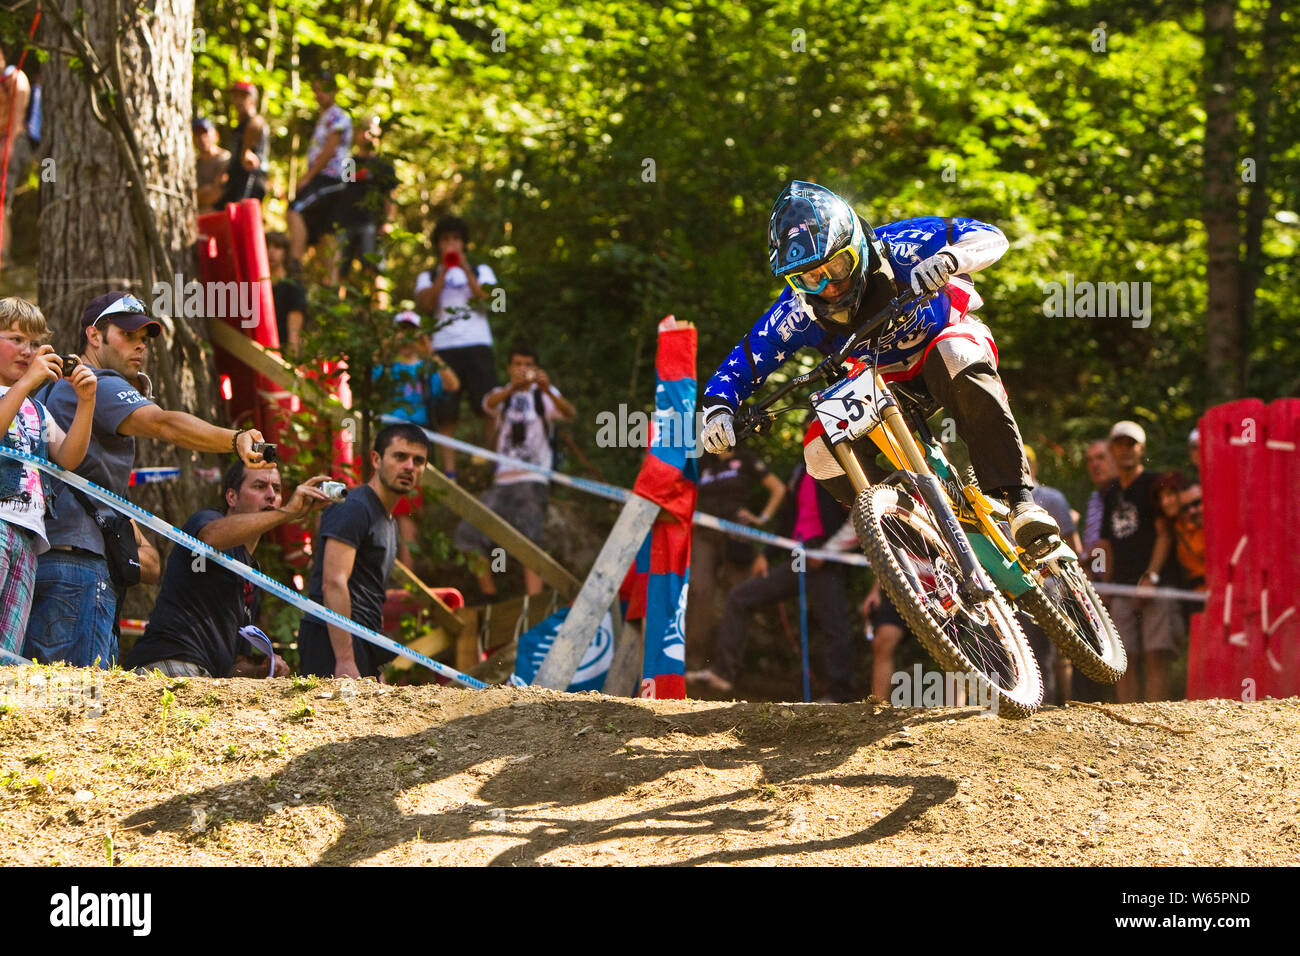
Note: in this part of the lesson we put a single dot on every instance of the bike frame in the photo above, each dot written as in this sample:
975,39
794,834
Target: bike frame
993,550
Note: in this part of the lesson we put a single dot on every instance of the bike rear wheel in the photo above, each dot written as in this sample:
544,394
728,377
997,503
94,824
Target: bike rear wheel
1071,614
918,571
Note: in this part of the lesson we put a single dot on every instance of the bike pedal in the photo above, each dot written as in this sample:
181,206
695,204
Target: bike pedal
1041,547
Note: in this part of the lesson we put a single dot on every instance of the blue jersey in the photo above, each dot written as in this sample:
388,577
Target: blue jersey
786,327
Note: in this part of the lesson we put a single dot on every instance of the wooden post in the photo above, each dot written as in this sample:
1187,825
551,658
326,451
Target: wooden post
467,639
624,675
597,592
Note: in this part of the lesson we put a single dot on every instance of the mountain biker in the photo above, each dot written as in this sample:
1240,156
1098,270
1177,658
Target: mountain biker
840,272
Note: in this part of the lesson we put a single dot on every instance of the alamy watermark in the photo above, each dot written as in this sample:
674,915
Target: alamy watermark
1102,300
75,909
633,428
211,300
919,688
30,687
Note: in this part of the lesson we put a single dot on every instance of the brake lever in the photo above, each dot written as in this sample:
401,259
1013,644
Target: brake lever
753,423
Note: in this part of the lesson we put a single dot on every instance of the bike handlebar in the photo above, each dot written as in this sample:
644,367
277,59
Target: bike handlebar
754,418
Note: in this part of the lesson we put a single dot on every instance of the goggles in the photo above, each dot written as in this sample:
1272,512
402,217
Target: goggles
838,268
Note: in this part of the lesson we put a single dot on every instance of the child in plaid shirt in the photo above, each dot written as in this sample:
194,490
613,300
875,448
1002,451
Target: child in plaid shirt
26,365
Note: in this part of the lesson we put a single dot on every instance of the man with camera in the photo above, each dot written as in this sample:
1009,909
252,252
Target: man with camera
199,626
94,553
461,334
524,413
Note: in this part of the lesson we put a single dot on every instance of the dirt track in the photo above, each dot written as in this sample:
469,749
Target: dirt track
239,772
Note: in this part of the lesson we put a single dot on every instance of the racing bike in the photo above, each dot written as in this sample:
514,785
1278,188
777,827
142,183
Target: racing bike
942,549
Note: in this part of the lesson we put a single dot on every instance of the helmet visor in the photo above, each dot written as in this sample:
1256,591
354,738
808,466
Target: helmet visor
838,268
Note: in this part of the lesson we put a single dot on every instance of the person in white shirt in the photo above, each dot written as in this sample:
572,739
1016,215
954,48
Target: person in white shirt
452,292
524,413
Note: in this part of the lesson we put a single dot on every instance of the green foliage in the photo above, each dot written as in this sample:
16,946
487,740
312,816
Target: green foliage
617,161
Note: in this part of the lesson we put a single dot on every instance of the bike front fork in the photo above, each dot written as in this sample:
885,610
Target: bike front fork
973,585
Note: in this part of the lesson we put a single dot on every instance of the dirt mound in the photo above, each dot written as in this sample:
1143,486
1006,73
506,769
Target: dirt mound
203,772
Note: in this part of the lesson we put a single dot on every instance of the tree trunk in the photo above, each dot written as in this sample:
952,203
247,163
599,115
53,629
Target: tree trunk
119,213
1221,206
1252,260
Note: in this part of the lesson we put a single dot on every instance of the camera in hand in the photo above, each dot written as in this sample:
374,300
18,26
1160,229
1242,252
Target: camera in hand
267,449
70,363
335,490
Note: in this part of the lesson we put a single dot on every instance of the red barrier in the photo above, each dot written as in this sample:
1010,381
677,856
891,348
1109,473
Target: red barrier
1244,644
232,249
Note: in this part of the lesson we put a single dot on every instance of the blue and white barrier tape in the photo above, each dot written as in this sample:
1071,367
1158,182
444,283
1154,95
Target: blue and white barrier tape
1132,590
195,546
614,493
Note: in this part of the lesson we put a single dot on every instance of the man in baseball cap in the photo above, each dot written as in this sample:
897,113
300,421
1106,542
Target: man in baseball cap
115,331
1137,542
1128,429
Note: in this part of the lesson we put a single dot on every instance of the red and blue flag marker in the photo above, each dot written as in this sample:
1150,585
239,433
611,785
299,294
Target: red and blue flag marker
668,478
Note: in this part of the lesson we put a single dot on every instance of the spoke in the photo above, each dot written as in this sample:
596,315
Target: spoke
975,632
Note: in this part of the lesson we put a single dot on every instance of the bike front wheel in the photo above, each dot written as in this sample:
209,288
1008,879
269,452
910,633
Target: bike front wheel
919,572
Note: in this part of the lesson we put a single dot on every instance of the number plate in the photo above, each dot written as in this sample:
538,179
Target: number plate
851,408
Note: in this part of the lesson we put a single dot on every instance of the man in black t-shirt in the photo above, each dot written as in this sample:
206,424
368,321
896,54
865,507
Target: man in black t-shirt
1136,540
356,550
194,628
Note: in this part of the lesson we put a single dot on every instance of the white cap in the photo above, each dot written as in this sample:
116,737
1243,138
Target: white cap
1127,429
1194,437
409,317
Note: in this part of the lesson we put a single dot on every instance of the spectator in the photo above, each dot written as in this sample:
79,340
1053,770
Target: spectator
366,210
887,631
74,611
314,211
288,295
211,162
1101,472
32,68
461,334
194,628
1185,567
727,483
1136,542
417,379
357,548
25,493
249,142
525,412
1194,455
15,94
809,514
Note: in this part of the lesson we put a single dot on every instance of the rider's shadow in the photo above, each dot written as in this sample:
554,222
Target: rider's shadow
364,779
